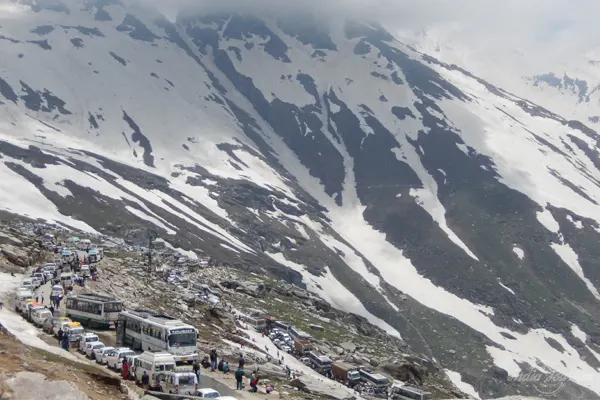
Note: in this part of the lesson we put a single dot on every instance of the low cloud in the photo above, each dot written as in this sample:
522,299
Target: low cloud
539,30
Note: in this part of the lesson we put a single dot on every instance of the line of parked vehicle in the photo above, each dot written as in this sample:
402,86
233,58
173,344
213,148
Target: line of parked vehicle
156,370
361,378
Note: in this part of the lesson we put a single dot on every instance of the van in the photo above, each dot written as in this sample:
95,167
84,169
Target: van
57,290
22,295
29,284
39,316
86,338
153,363
31,308
66,279
76,331
23,304
62,324
180,381
85,271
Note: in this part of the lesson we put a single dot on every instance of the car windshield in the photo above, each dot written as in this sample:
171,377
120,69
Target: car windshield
186,379
182,338
91,339
98,346
211,395
126,353
164,367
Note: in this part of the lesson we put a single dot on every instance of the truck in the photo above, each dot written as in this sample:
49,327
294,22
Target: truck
345,373
302,346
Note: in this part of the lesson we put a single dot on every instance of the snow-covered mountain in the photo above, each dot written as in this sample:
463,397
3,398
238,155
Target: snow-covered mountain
568,84
411,192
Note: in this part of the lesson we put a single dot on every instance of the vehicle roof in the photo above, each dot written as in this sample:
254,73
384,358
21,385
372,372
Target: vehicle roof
158,355
88,334
206,390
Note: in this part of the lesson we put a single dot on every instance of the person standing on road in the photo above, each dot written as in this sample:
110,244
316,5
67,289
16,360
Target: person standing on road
60,334
65,344
213,360
197,370
145,380
42,299
242,361
239,376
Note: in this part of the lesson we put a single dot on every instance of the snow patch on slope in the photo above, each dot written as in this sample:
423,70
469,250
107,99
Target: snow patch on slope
568,255
519,252
333,292
29,202
465,387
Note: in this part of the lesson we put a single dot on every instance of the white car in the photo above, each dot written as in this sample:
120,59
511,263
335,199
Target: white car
39,316
36,282
208,393
102,353
28,284
90,349
88,337
114,359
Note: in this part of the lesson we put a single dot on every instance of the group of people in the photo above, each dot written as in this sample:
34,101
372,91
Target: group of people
216,364
64,339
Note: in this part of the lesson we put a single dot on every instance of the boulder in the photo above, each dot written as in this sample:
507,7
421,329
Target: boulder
297,383
405,371
13,257
8,239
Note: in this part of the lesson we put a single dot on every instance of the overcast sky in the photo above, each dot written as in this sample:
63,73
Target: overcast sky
541,30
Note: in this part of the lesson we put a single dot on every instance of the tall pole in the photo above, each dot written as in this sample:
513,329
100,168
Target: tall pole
152,235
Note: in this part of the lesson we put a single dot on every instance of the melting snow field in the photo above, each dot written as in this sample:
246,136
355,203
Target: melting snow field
16,325
456,378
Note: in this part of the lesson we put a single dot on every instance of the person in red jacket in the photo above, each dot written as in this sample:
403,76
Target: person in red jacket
125,369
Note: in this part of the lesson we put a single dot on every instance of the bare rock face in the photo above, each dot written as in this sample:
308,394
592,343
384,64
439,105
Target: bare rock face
405,371
15,256
33,386
11,240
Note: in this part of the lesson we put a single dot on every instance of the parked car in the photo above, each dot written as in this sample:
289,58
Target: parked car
88,337
62,324
115,358
179,382
39,316
91,347
99,353
102,353
208,393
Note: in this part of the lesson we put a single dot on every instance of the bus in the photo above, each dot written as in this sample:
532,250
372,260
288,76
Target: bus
147,330
93,310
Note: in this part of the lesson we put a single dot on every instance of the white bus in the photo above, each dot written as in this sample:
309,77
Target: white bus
147,330
93,310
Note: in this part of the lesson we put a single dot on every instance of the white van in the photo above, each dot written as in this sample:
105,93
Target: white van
85,271
66,279
28,284
86,338
57,290
22,295
183,382
153,363
39,316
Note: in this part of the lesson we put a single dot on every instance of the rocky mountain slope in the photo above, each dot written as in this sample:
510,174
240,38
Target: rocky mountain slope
443,209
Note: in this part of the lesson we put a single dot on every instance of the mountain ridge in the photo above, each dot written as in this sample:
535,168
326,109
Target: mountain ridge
439,206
